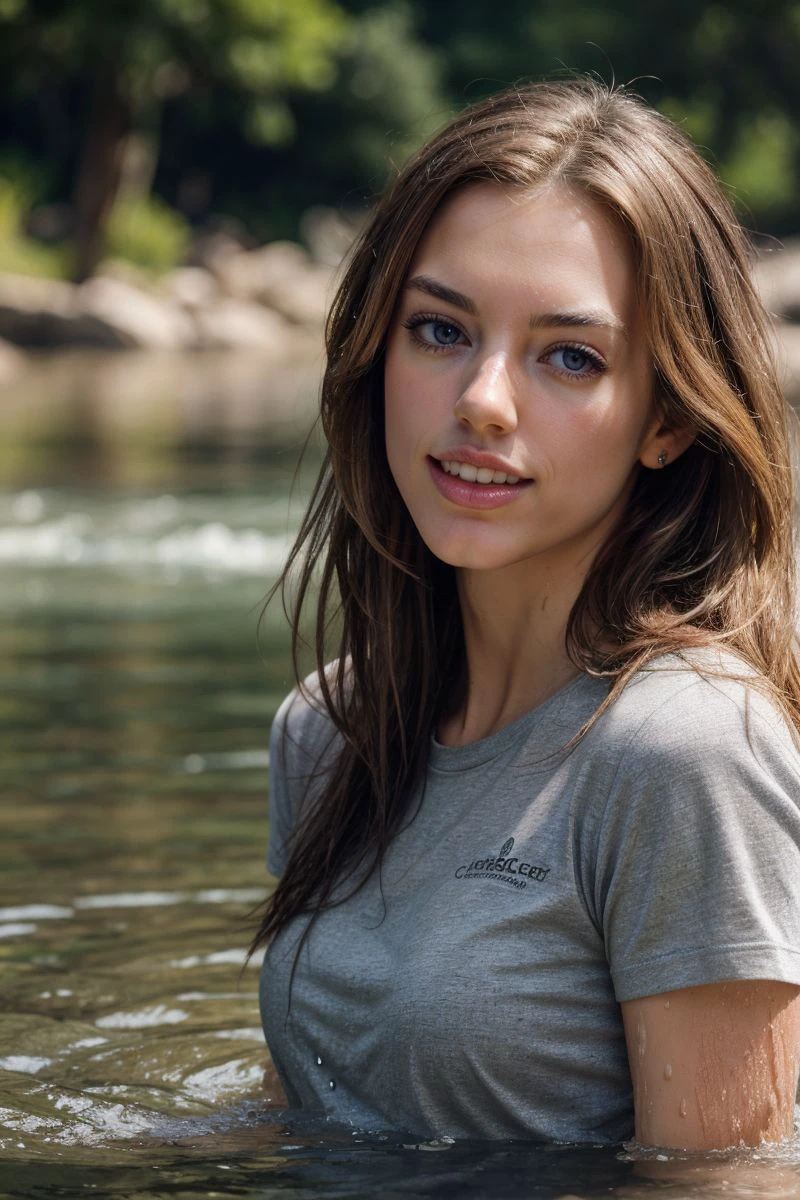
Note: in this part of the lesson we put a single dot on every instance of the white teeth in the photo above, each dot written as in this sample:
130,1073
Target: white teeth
477,474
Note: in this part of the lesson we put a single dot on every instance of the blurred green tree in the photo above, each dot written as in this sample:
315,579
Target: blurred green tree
727,70
385,99
258,109
137,53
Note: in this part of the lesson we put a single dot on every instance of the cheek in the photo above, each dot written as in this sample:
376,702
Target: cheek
398,417
408,410
607,431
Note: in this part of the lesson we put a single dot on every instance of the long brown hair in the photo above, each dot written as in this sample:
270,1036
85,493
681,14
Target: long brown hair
704,554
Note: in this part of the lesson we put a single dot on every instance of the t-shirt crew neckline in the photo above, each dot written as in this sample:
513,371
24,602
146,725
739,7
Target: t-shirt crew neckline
476,754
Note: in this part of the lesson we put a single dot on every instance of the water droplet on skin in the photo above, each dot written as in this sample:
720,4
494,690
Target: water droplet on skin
668,1071
332,1084
666,1004
319,1061
682,1109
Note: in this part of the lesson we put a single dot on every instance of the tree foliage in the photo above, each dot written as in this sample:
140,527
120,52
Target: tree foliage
728,71
130,56
260,108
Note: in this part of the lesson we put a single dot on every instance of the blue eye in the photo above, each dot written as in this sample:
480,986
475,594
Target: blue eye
444,334
433,333
575,360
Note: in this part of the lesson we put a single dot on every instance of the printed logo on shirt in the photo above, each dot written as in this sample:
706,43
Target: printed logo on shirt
504,869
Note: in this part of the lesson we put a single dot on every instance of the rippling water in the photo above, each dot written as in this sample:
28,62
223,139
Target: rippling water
133,758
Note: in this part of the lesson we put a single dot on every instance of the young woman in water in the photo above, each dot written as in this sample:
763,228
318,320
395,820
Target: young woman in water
536,825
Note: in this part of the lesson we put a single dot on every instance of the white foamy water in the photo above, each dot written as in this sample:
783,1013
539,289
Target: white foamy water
165,899
71,541
241,1035
16,929
218,957
131,900
25,1064
162,532
226,1080
36,912
185,997
144,1018
233,760
226,895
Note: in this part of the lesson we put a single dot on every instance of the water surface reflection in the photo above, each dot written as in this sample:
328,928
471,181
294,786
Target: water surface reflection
133,759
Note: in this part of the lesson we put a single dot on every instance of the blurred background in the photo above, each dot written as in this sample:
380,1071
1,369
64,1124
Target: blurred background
179,182
182,178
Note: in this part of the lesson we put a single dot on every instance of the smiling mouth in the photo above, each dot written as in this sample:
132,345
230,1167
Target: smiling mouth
472,474
481,475
476,488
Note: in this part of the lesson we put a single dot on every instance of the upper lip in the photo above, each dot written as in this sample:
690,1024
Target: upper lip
479,458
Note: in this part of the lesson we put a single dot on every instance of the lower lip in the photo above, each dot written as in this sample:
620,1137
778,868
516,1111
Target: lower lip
475,495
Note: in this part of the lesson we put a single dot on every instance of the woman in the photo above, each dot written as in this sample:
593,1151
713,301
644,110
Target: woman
537,825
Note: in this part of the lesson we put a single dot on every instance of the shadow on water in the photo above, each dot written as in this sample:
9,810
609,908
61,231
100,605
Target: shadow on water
139,531
333,1166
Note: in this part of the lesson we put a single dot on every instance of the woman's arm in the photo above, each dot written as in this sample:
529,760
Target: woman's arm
714,1066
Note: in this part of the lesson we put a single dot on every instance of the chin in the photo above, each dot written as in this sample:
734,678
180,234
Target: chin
472,553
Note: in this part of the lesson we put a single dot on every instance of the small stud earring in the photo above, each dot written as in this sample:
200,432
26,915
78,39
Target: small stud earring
662,458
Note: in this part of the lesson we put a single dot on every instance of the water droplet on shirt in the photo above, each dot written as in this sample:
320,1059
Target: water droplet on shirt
332,1084
668,1071
319,1061
682,1109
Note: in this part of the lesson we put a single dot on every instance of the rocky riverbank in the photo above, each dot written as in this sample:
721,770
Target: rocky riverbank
265,299
271,301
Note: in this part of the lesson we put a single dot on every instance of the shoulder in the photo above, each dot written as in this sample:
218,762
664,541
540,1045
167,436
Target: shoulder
302,729
707,707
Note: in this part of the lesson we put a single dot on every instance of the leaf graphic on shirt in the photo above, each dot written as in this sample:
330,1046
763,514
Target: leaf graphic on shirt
507,847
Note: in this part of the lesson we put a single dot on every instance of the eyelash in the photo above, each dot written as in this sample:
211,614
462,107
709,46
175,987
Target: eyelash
412,324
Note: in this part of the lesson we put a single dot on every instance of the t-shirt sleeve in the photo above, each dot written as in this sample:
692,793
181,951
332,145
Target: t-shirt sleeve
280,810
698,854
303,743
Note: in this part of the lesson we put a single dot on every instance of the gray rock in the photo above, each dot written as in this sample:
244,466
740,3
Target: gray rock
125,316
280,276
125,272
12,363
103,312
329,233
36,312
777,276
787,337
190,287
236,324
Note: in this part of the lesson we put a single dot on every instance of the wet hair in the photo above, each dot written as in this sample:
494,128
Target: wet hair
703,554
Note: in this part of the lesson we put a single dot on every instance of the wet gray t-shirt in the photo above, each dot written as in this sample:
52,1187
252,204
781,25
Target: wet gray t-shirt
474,989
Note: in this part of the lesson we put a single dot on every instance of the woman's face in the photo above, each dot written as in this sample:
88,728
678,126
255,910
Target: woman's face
517,350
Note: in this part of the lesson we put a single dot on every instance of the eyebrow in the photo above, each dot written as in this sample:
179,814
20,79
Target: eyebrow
577,319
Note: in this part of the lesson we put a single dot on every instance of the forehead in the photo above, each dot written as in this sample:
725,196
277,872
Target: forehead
551,248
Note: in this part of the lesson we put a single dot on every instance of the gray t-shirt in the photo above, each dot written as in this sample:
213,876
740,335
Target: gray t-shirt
473,989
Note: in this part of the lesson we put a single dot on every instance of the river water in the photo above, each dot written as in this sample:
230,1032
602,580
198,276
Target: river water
138,693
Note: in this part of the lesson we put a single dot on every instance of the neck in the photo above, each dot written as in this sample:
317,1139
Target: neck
515,621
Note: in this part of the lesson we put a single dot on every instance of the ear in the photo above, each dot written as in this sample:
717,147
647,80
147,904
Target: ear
662,444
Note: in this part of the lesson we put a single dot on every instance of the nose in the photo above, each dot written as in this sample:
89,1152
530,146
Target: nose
487,401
